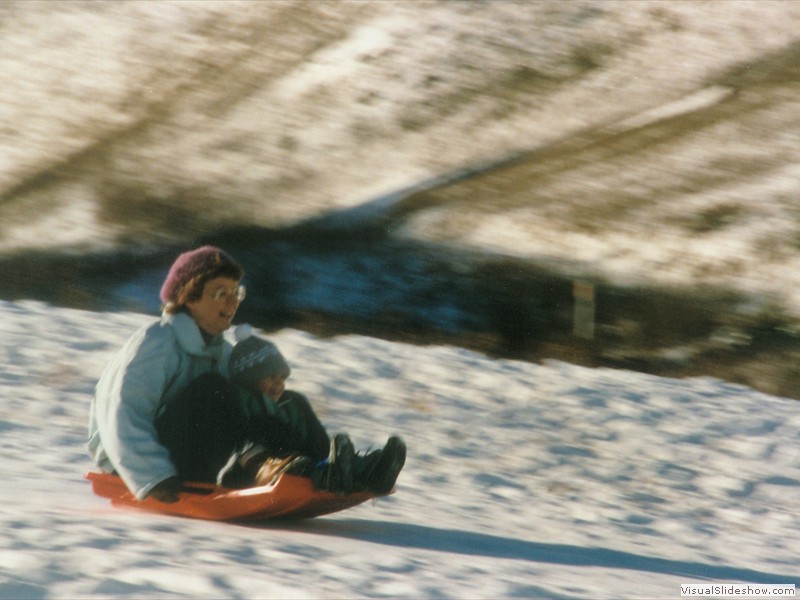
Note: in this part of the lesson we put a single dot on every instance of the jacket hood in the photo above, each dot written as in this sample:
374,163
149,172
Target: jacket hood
191,339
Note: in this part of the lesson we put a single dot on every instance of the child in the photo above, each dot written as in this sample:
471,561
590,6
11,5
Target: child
287,435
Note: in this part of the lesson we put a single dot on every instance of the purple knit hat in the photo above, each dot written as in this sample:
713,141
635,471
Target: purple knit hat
194,268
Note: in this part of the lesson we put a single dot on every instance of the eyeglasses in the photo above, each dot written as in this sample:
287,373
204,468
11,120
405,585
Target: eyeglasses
224,294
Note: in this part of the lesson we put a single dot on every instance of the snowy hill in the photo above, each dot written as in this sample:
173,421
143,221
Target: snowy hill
489,154
545,481
456,174
144,120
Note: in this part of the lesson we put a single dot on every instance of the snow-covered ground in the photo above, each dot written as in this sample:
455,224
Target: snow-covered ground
522,480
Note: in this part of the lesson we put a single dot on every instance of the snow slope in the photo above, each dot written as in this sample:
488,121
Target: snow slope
523,480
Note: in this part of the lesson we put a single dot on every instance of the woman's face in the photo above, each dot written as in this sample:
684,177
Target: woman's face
215,309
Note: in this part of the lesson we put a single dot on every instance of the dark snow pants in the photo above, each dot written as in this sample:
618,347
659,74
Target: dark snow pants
202,428
296,430
207,425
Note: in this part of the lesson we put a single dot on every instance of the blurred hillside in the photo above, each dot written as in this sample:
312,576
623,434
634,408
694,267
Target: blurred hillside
631,145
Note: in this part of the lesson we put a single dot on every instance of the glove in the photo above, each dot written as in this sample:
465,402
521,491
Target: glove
166,491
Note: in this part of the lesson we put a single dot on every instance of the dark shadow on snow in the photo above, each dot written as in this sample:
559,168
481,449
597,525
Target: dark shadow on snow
331,282
408,535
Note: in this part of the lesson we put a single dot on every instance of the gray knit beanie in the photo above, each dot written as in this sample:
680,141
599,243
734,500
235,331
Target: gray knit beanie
254,359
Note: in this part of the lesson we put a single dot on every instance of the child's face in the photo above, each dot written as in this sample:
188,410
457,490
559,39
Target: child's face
273,386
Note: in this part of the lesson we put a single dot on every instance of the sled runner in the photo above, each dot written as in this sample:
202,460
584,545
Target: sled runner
290,497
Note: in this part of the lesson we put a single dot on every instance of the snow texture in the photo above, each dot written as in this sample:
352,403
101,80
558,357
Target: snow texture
523,480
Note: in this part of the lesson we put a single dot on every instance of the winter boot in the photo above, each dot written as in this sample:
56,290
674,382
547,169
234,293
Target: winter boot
364,466
381,470
336,475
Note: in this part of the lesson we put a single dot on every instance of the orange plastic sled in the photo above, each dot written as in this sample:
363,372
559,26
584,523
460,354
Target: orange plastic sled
290,497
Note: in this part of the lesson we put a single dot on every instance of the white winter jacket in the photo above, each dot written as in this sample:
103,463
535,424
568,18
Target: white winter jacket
152,369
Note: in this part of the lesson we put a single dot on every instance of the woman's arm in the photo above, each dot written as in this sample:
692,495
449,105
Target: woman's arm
128,397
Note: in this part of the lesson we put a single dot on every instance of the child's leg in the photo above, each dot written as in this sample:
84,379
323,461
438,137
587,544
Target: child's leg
310,436
275,436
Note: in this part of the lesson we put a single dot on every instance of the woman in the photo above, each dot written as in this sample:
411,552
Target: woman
159,412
